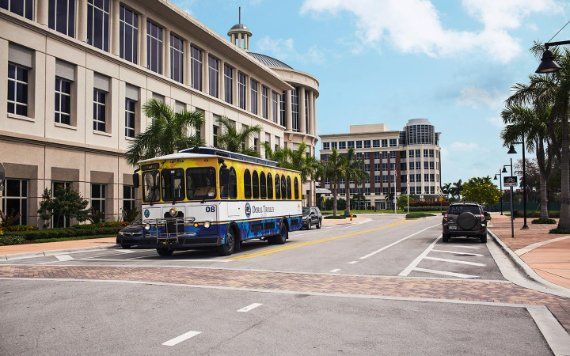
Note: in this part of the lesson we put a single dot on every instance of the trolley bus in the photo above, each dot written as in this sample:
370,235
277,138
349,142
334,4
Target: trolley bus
206,197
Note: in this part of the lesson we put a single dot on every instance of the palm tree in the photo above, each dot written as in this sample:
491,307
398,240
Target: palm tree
532,124
332,170
352,170
456,189
166,134
446,189
237,141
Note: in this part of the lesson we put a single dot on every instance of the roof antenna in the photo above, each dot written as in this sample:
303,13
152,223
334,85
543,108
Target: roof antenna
239,15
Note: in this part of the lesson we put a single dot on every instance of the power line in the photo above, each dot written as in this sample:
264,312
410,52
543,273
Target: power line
559,31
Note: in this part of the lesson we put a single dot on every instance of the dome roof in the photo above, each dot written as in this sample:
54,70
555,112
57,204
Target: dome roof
269,61
239,26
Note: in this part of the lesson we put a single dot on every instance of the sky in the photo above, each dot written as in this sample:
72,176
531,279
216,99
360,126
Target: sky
388,61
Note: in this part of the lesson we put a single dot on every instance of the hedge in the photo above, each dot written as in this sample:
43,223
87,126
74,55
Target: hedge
417,215
74,231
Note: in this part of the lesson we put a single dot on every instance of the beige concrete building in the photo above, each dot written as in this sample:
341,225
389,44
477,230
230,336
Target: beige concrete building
74,75
400,162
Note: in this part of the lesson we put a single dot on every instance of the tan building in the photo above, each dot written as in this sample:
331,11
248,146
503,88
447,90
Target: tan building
74,75
401,162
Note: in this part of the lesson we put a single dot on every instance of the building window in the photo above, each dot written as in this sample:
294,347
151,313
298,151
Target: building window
98,24
275,107
57,189
265,102
154,41
242,90
130,117
176,58
215,133
19,7
307,112
228,84
196,64
334,145
282,104
128,198
99,109
62,16
129,35
358,144
15,200
213,75
375,143
17,89
62,101
253,94
98,199
393,142
342,145
295,109
367,144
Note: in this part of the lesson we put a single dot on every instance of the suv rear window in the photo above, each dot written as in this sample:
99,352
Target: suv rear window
458,209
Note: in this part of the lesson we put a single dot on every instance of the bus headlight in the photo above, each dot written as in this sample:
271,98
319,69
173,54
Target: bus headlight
147,227
172,212
207,224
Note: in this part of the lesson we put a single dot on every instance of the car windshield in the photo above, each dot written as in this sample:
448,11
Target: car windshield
306,211
150,186
201,183
458,209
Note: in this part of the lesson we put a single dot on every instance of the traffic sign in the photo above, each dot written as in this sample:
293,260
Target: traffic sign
510,181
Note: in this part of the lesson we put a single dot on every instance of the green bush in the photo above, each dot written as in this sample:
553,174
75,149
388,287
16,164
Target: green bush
65,232
417,215
335,217
11,240
559,231
20,228
544,221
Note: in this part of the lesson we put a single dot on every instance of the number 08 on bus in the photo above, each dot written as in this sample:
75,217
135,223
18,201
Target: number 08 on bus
211,198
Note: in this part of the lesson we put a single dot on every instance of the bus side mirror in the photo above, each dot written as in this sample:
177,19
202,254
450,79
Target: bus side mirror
136,181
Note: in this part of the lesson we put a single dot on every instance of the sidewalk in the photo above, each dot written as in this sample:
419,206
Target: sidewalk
334,222
547,254
24,249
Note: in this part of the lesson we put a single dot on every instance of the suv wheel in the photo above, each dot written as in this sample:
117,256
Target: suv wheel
445,238
319,223
483,238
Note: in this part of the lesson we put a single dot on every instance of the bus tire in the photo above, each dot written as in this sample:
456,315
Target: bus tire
164,251
229,246
283,234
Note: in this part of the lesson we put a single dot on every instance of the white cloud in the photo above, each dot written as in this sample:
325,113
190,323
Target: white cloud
475,97
414,26
496,122
459,146
285,50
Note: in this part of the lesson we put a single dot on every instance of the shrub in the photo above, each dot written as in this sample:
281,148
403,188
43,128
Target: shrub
417,215
11,240
559,231
335,217
20,228
65,232
544,221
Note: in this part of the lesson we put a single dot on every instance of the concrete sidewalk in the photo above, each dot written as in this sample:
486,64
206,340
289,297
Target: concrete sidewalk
547,254
12,251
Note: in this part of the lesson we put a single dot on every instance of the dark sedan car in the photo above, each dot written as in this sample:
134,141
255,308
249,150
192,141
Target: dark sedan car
135,234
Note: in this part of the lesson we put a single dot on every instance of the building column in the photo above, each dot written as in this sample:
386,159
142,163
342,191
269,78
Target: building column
311,112
42,11
166,52
115,28
314,118
186,64
302,111
205,79
289,112
142,51
81,20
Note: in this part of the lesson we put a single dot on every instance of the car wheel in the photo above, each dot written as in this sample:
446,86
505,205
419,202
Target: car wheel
483,238
164,251
445,238
319,223
228,247
309,225
125,246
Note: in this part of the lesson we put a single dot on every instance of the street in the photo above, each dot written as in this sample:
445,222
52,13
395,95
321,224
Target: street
383,285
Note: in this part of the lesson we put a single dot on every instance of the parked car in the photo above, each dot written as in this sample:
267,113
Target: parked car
465,219
135,234
312,217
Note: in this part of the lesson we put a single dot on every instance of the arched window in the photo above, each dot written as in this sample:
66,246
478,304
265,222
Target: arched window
283,188
233,183
262,186
247,184
255,185
224,182
277,187
296,190
270,186
289,188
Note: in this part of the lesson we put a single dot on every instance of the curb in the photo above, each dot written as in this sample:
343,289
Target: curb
23,256
524,268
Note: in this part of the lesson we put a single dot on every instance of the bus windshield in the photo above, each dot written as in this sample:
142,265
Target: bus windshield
172,184
201,183
150,186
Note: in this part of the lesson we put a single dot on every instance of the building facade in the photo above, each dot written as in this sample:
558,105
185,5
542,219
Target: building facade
399,162
74,75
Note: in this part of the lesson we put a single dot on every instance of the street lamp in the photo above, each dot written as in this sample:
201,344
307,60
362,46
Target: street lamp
500,187
547,62
512,207
512,151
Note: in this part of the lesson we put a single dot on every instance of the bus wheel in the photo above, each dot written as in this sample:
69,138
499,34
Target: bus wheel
164,251
283,234
228,248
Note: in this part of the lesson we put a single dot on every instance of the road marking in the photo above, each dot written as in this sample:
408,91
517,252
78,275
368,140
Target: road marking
63,257
445,273
459,253
469,247
455,261
353,262
295,245
249,307
415,262
181,338
335,270
555,335
396,242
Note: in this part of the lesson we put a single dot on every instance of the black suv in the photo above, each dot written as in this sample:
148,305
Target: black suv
312,217
465,219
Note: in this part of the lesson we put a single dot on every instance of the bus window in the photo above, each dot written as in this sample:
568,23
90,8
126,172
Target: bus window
277,187
172,184
296,190
247,183
233,184
283,188
262,186
270,186
150,186
255,185
289,188
201,183
224,182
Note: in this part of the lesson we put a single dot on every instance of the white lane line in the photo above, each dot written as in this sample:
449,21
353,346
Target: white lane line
335,270
249,307
445,273
63,257
455,261
353,262
555,335
415,262
459,253
395,243
469,247
181,338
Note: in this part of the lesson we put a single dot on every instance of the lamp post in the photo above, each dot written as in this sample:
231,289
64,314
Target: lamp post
500,174
512,151
512,207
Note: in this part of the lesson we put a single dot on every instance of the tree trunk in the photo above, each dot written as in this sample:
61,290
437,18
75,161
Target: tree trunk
334,199
347,188
564,223
543,197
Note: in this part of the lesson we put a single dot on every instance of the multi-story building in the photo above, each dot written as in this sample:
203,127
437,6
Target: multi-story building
399,162
74,75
